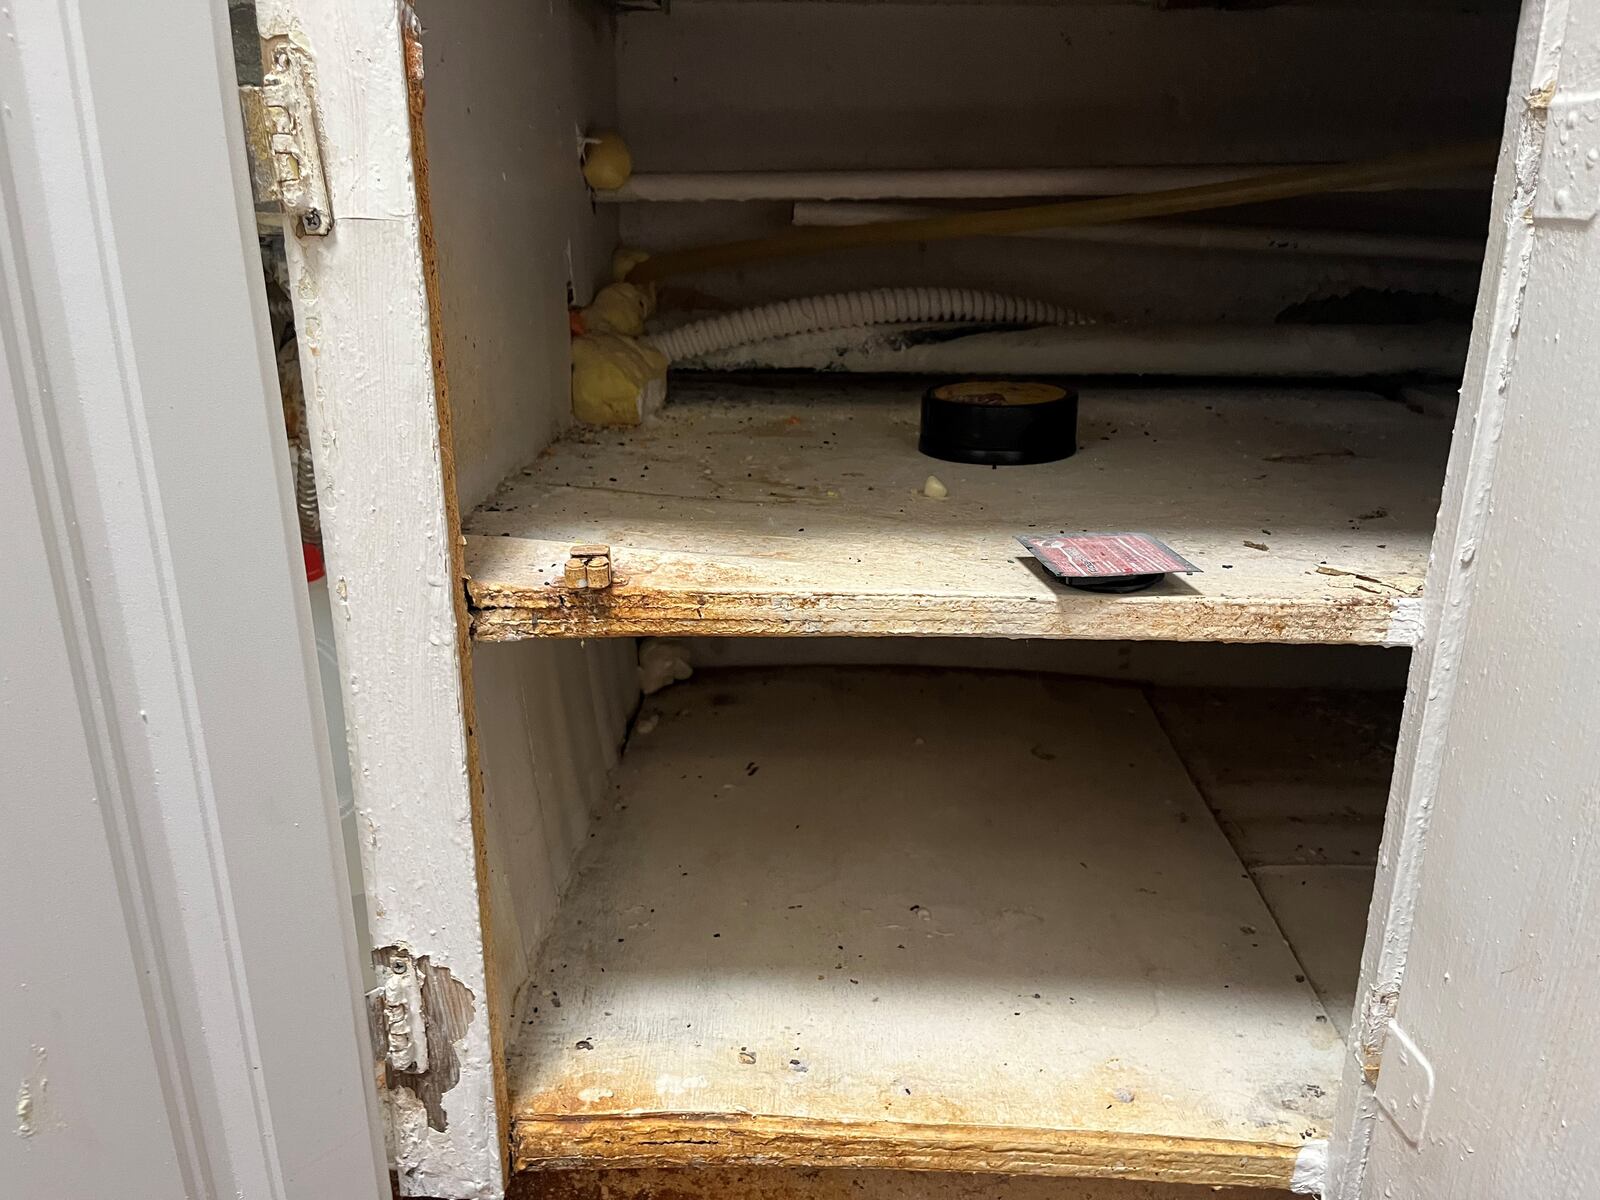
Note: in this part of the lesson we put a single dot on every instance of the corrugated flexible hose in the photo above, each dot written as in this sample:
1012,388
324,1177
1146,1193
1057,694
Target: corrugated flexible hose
856,310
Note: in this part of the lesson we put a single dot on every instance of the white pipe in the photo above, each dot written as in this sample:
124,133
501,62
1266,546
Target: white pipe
1333,243
854,310
951,185
1284,351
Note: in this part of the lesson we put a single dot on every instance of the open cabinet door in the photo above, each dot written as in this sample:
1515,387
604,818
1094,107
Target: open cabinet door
181,1014
1474,1071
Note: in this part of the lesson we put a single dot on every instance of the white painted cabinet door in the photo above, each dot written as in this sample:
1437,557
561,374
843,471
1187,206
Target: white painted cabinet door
181,1011
1474,1073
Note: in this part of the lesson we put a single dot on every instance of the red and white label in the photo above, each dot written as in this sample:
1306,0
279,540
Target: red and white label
1106,555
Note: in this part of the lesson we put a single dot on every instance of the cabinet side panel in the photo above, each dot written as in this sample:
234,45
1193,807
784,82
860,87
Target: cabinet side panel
511,86
551,718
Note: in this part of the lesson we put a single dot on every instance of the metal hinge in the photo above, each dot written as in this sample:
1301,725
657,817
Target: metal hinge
280,134
397,1013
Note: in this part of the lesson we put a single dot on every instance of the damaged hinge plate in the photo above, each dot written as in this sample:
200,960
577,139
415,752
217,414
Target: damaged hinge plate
280,134
1569,177
397,1013
1405,1084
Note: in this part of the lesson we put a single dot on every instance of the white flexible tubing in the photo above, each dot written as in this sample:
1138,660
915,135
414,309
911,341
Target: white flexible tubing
855,310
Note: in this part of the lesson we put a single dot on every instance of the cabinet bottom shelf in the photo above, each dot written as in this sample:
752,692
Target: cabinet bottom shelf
888,918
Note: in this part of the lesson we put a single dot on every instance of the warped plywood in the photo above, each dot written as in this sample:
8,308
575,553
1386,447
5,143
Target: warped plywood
916,919
798,509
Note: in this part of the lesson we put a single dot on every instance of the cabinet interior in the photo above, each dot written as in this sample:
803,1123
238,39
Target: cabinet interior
933,863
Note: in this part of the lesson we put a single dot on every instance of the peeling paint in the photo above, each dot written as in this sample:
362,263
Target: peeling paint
441,1006
30,1096
24,1110
1405,622
1310,1169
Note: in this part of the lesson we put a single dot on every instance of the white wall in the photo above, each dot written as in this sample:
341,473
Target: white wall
551,715
761,85
801,84
509,84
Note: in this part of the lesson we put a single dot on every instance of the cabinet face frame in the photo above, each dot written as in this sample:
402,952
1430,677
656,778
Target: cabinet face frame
369,365
378,412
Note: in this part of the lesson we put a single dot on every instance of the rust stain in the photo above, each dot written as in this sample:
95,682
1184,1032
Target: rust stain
656,1140
507,614
649,598
800,1183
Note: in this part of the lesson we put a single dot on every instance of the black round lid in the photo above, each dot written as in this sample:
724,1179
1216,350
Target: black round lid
999,422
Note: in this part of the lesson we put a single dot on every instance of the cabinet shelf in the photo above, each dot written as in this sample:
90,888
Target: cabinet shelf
796,507
897,918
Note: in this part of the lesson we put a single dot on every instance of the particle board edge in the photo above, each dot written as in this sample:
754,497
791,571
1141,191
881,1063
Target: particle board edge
713,1140
659,594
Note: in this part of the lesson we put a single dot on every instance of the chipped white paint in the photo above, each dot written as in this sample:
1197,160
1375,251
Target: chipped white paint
365,354
1405,622
507,83
30,1096
1310,1169
1495,769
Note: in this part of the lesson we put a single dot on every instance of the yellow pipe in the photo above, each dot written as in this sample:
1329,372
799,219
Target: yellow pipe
1276,185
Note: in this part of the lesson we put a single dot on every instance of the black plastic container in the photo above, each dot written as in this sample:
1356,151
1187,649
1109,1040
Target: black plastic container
1000,422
